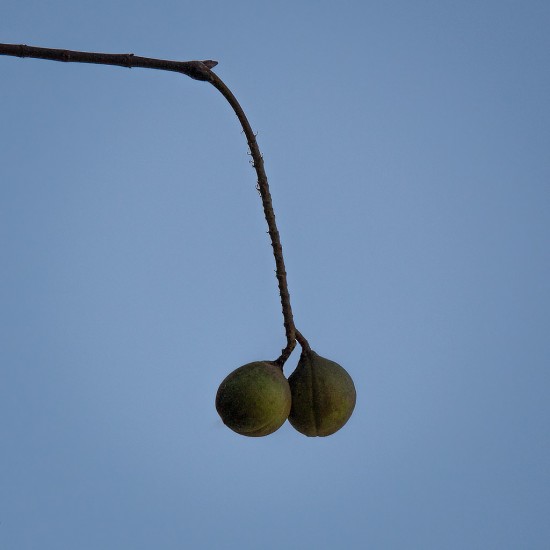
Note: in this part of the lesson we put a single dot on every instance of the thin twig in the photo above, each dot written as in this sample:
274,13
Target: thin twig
263,188
199,70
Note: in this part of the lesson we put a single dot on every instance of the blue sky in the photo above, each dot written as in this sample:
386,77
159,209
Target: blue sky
406,144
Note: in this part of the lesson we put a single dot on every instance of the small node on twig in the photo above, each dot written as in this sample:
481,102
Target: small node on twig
210,63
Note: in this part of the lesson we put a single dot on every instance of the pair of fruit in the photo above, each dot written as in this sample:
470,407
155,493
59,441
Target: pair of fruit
318,397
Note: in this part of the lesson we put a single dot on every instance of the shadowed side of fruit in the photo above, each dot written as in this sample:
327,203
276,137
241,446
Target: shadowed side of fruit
254,400
323,395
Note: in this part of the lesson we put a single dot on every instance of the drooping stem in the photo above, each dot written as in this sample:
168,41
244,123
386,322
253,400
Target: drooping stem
263,188
198,70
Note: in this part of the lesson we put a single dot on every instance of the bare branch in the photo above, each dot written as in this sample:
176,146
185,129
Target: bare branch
199,70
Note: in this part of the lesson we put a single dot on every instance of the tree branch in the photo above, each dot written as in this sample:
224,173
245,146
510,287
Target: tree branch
199,70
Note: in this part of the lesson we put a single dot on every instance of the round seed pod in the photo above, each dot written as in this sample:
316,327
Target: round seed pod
323,395
254,400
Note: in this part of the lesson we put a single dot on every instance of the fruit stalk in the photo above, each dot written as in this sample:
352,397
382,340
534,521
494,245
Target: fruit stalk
263,187
198,70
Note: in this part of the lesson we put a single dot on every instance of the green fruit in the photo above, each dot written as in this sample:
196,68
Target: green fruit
254,400
323,395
